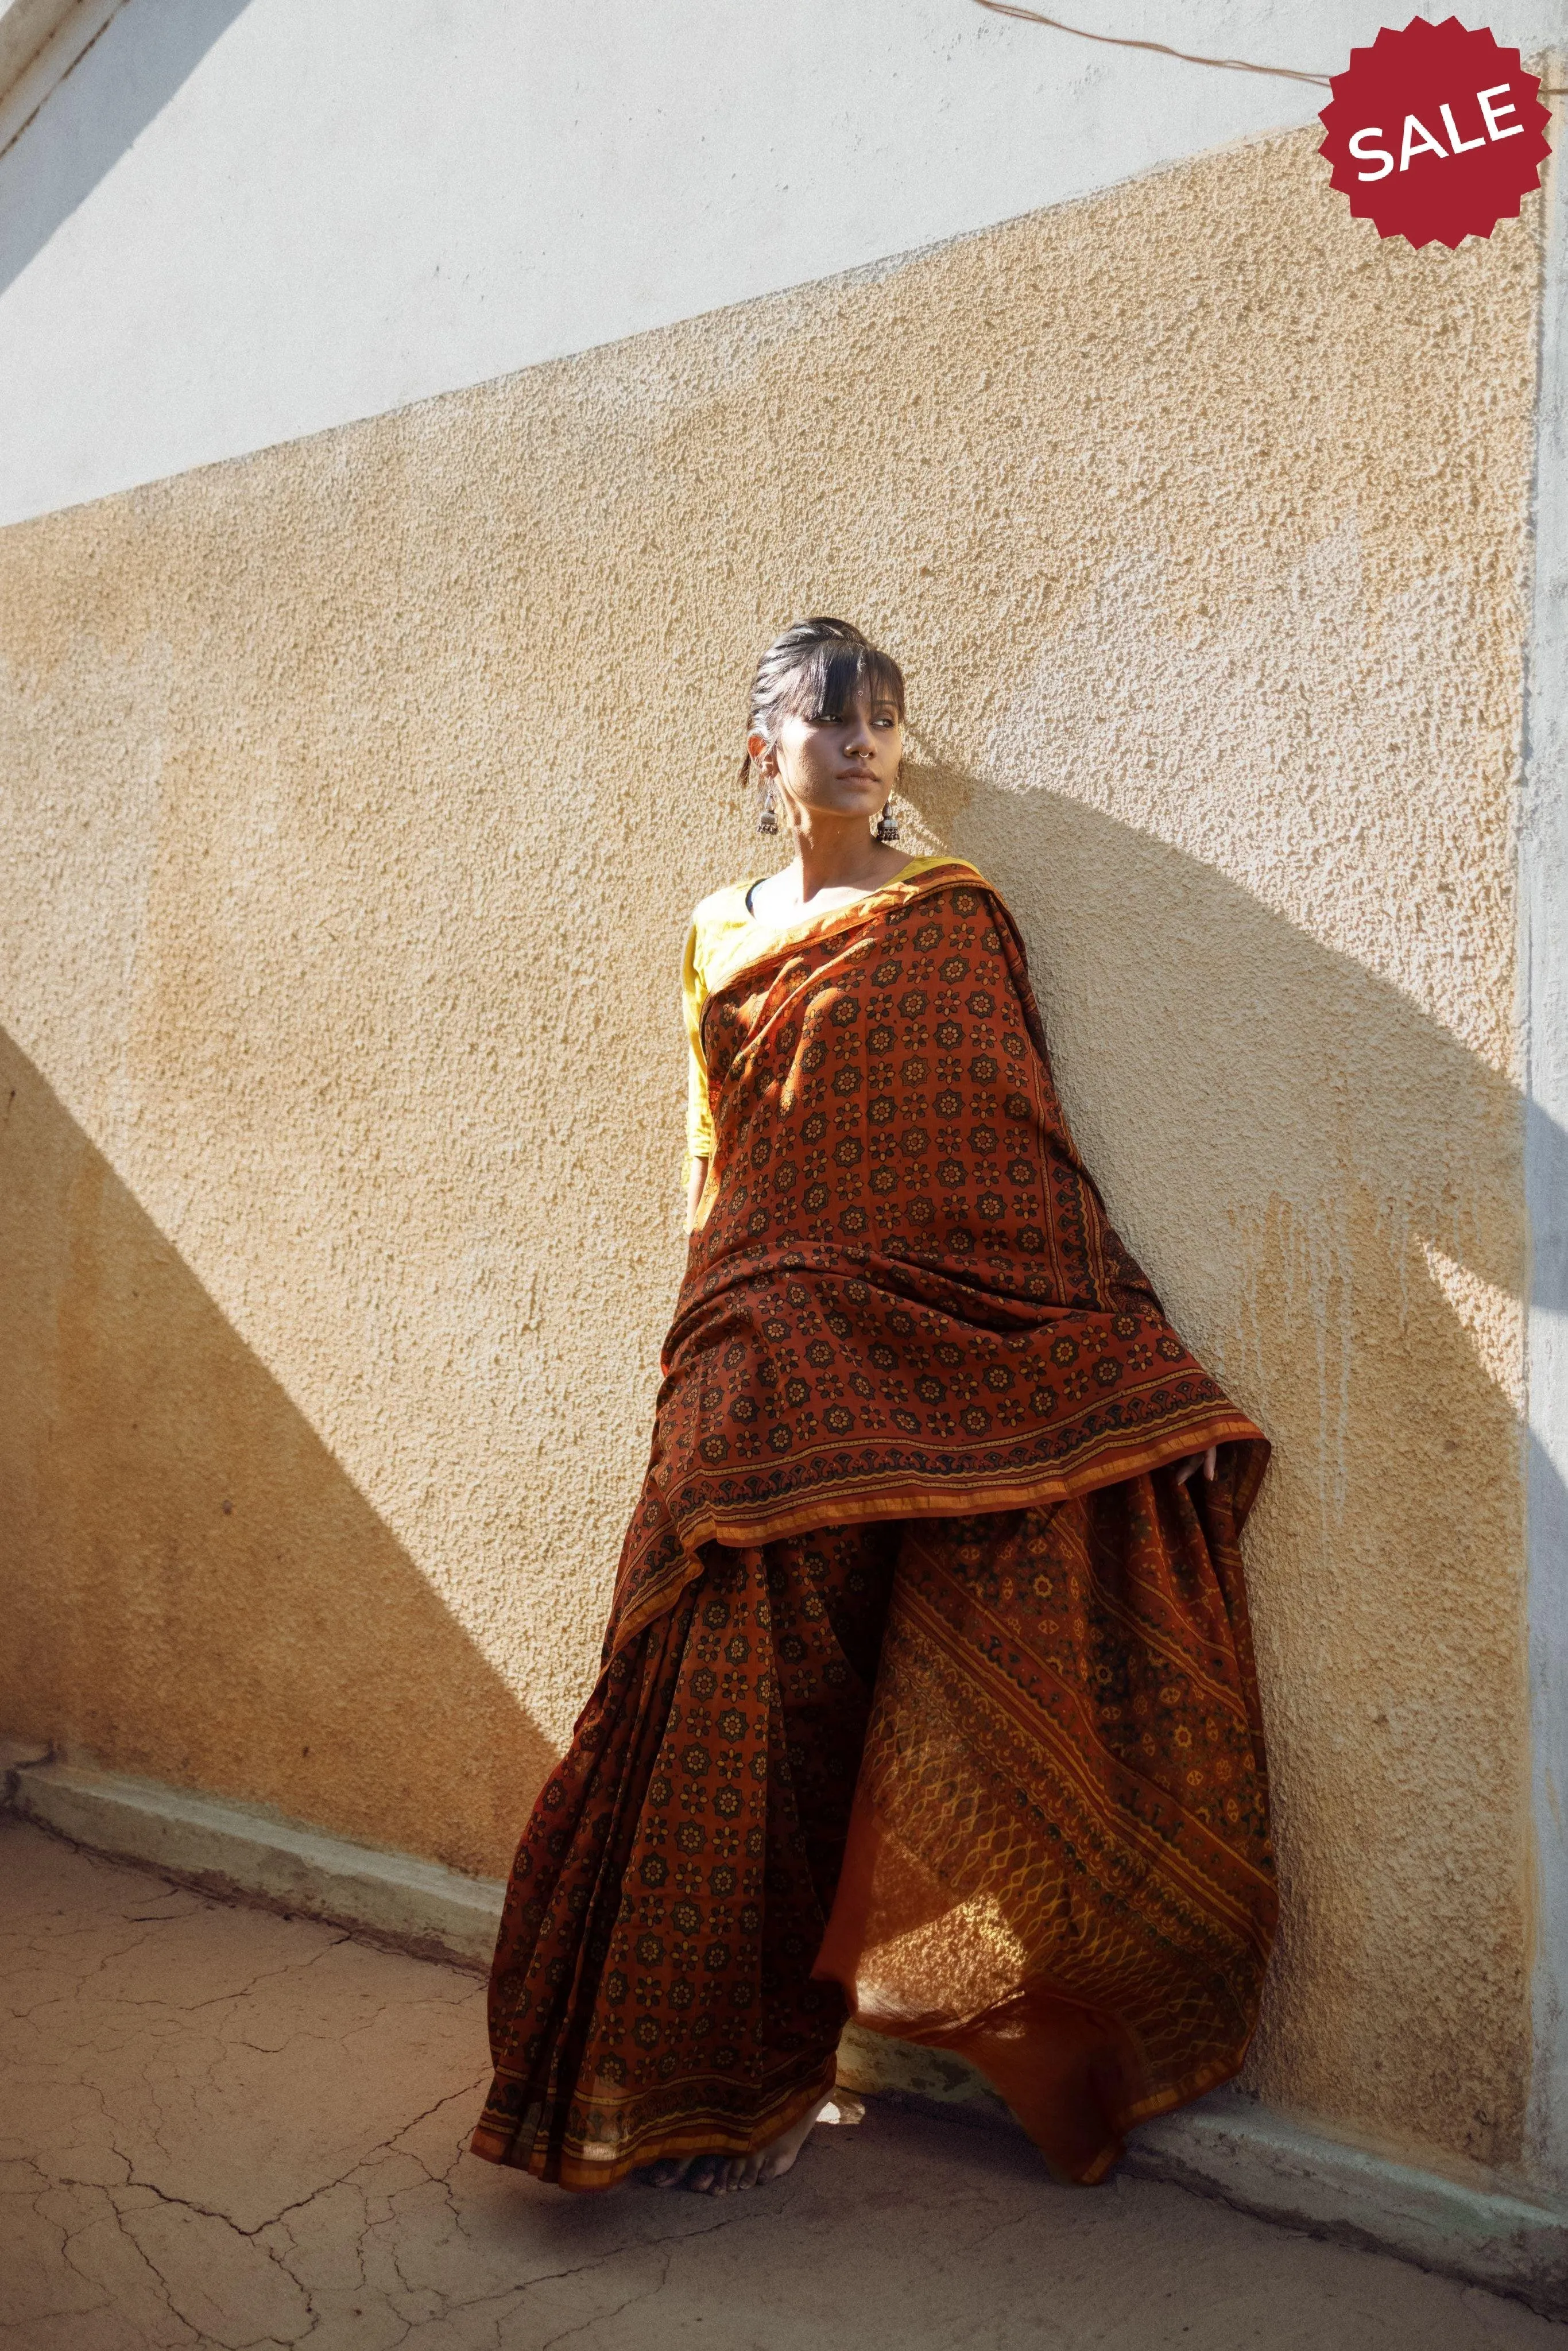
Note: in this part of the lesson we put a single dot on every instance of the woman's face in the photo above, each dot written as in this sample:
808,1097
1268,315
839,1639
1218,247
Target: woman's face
837,767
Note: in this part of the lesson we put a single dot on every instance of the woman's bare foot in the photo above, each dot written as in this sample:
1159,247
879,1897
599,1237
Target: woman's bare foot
716,2175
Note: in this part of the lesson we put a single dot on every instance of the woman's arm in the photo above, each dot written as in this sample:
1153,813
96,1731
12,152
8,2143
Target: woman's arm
695,1191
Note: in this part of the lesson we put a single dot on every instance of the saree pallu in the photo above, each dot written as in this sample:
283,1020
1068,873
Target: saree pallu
927,1694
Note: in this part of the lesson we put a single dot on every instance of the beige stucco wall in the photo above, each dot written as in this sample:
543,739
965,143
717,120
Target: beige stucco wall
355,795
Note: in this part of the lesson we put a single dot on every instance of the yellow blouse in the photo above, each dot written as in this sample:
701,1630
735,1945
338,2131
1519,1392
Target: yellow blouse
724,938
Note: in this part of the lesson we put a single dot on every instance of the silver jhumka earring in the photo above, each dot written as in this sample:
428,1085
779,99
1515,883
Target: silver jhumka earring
767,815
886,829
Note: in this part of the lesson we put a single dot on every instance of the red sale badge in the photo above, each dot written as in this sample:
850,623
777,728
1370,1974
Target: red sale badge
1435,133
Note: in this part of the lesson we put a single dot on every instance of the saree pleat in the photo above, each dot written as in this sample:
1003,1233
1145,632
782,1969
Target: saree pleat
1059,1862
928,1692
652,1992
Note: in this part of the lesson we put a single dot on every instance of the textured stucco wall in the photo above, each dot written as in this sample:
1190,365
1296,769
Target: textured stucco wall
355,797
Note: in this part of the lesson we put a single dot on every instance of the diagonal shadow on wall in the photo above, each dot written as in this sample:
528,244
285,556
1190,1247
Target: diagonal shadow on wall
148,48
197,1529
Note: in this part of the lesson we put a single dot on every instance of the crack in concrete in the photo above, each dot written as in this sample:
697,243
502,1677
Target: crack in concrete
301,2203
382,2147
55,2228
603,2318
242,1992
186,2204
671,2236
165,2290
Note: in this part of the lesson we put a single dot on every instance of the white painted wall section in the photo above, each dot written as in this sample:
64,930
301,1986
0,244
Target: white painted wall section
1543,989
239,221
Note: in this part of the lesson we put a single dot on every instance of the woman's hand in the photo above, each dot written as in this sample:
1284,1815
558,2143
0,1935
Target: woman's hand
1209,1460
694,1190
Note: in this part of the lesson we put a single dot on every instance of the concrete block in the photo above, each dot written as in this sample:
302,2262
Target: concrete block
1479,2230
17,1755
231,1848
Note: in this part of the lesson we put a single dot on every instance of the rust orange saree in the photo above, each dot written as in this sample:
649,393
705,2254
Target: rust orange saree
927,1693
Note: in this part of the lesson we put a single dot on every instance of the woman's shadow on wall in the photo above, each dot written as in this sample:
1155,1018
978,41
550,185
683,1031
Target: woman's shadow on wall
1231,1078
192,1571
1326,1185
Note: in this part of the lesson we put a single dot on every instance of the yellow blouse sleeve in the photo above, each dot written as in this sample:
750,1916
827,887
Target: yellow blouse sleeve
699,1117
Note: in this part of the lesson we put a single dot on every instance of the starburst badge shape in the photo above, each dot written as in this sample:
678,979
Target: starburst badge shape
1435,133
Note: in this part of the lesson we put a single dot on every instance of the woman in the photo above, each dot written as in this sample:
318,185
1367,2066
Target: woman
927,1694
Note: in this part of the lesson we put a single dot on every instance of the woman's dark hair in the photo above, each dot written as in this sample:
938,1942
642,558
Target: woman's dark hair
818,667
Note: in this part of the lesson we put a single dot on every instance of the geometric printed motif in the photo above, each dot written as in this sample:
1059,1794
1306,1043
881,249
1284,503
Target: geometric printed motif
906,1298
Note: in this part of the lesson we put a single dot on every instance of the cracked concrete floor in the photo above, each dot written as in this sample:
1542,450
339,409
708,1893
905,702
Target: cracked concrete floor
223,2127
